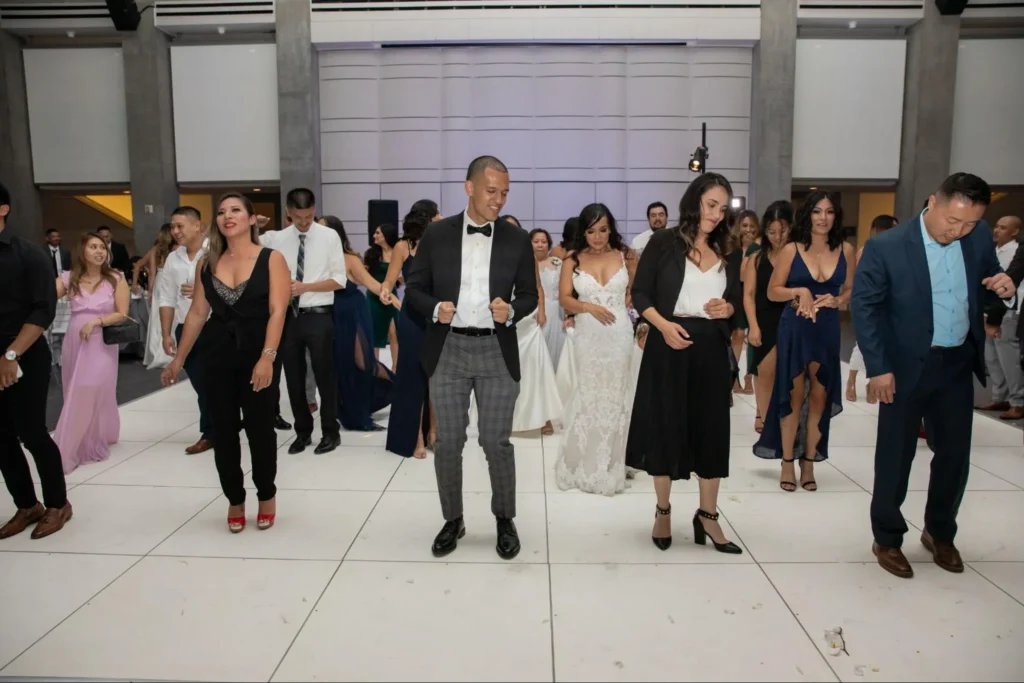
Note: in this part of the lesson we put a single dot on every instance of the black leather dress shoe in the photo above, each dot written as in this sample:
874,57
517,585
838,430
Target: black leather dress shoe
328,444
280,424
508,539
448,539
300,444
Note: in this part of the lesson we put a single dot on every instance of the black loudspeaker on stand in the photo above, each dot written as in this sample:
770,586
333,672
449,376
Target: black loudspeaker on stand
125,14
951,7
380,211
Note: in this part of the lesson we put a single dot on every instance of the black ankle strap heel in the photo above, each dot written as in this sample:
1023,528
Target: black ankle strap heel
662,543
700,534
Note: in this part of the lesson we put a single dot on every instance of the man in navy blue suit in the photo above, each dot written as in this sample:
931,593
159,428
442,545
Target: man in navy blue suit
917,308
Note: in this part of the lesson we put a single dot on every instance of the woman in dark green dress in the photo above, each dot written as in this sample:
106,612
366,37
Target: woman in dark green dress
385,318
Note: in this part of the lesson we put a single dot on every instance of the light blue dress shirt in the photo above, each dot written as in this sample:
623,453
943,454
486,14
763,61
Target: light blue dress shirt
950,304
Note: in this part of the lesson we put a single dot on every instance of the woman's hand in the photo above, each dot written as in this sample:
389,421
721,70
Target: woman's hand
603,315
385,296
718,309
803,302
170,374
263,373
754,336
826,301
87,329
569,322
675,336
542,318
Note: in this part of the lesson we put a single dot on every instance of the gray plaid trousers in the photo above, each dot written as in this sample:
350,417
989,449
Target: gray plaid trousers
467,365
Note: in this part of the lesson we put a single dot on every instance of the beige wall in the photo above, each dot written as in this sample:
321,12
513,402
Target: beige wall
872,204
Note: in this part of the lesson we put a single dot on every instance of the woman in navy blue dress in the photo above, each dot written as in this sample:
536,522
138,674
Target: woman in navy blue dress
814,274
364,384
411,426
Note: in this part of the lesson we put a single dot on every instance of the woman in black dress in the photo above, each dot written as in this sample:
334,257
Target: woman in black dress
687,290
244,289
762,313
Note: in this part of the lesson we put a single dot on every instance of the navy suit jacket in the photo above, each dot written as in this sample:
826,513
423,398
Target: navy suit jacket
892,301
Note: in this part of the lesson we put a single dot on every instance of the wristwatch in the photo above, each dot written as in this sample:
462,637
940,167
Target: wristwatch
11,355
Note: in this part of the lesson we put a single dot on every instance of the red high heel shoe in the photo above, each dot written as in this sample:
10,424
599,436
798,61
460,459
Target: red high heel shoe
236,524
264,522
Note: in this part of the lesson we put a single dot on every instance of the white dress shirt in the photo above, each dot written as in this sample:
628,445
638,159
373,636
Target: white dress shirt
178,270
324,259
640,241
55,257
698,289
1005,255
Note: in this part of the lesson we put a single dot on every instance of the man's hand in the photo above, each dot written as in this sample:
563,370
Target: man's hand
445,312
993,331
500,311
299,288
1001,284
170,348
882,388
8,373
187,289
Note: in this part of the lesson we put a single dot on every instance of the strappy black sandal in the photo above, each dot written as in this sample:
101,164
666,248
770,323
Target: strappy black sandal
809,482
665,542
784,483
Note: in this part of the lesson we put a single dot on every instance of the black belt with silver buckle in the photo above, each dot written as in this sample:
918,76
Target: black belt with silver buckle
316,309
474,331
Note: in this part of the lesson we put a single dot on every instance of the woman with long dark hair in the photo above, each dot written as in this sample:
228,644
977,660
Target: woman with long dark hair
241,298
594,282
412,428
569,230
365,385
378,260
814,274
743,236
687,289
89,422
763,314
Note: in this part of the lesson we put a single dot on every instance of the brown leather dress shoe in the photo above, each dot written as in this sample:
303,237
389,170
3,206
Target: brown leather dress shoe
893,561
945,554
198,447
1012,413
993,406
53,521
22,520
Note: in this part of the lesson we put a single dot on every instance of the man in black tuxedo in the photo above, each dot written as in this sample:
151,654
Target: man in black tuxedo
119,257
467,269
59,256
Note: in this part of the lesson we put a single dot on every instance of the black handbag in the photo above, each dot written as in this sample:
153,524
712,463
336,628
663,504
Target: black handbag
127,332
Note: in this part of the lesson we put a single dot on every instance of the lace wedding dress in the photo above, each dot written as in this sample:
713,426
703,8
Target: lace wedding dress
592,456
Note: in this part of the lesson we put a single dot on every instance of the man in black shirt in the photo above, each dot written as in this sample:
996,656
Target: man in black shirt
119,257
28,301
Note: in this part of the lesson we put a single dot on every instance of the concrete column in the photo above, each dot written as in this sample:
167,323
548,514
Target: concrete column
773,84
298,98
154,177
932,49
26,218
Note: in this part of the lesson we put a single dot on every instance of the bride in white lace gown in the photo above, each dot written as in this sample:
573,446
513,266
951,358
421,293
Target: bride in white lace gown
592,455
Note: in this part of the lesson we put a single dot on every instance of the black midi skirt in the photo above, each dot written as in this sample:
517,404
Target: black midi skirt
680,420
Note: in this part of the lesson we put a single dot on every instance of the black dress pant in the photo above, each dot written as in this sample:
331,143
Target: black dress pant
229,391
944,398
23,421
195,368
313,331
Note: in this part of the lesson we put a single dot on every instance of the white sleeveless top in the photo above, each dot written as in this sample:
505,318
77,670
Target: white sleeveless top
698,289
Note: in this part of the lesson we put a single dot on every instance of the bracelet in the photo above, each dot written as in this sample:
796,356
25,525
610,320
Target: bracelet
270,352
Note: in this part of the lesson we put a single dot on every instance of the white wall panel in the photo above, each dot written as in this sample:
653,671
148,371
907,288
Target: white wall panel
573,123
77,115
848,109
988,109
215,141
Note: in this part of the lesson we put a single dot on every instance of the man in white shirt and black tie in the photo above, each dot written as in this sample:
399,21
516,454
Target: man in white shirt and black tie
317,263
59,256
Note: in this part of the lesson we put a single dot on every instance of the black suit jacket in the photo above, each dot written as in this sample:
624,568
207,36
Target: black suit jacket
660,273
119,258
892,301
436,276
65,259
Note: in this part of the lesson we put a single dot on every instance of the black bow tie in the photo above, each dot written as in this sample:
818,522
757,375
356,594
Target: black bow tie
484,230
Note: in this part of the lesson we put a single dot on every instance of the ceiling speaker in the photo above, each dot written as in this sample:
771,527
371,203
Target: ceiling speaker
951,8
125,14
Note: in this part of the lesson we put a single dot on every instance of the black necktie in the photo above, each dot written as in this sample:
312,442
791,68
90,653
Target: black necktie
484,230
56,261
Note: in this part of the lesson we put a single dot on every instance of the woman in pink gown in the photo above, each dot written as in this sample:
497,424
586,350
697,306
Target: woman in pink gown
89,422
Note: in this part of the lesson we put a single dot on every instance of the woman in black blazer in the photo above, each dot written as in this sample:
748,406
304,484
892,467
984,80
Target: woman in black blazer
687,289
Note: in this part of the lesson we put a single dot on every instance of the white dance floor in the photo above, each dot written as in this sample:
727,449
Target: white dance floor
146,582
